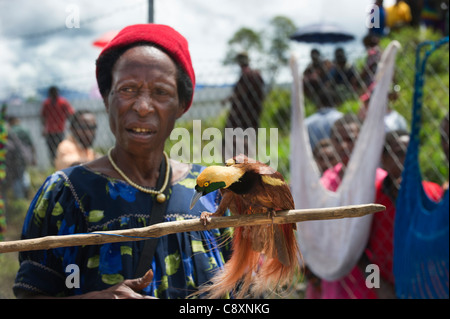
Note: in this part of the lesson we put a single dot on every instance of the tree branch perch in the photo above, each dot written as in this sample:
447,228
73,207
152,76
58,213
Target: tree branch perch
161,229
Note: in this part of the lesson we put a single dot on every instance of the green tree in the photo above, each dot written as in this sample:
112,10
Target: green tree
279,43
244,39
269,46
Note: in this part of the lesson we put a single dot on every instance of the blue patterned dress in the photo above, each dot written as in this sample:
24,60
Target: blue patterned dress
94,202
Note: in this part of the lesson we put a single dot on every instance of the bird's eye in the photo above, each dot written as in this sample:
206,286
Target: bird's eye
206,184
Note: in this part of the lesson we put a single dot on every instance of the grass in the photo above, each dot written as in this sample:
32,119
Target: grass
15,214
9,263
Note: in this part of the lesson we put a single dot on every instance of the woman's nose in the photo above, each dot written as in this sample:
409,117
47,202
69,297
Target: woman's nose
144,104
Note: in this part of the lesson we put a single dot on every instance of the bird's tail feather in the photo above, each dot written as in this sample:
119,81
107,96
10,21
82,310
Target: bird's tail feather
250,271
279,271
238,268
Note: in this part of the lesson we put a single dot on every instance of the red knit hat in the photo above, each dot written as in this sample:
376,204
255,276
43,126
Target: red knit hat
163,36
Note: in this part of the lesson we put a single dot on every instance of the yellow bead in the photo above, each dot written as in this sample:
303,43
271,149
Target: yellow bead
160,198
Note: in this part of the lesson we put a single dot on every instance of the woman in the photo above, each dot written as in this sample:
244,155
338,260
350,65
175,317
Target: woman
146,79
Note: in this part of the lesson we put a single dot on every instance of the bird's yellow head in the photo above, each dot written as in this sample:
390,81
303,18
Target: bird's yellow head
213,178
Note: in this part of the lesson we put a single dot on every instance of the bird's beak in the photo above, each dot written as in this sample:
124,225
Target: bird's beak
195,198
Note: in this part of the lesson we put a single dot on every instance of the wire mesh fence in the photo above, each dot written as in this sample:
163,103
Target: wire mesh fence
342,89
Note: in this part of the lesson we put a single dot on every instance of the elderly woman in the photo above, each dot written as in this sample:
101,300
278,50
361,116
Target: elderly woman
146,78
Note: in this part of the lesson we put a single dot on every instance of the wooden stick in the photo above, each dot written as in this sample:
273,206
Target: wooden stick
161,229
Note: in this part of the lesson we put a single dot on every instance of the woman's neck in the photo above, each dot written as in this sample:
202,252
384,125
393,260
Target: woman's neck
142,170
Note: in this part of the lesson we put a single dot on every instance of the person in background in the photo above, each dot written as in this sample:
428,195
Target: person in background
20,155
398,15
435,15
316,75
77,148
392,120
54,113
247,97
416,8
324,155
319,123
343,73
367,75
380,247
24,135
380,29
246,105
344,133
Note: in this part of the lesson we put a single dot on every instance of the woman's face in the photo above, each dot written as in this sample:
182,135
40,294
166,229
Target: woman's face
143,102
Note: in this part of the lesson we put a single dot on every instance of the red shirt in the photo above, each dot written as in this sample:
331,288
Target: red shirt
55,115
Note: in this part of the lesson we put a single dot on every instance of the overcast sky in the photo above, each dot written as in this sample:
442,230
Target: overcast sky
37,49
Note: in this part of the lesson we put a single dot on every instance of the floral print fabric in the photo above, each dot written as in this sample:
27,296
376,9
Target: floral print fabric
93,202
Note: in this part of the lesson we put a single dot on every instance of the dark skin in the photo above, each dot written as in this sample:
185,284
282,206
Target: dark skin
128,289
142,105
143,95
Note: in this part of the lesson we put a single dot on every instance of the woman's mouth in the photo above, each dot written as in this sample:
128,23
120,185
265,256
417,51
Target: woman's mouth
140,132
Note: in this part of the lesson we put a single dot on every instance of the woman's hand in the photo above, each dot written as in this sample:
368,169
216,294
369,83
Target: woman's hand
128,289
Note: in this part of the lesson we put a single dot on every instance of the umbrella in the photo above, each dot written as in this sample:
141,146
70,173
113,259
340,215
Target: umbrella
105,38
321,33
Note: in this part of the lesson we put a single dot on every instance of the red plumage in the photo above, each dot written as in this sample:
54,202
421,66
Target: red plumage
264,257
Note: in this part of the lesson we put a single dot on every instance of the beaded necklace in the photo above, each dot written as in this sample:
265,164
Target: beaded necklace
160,197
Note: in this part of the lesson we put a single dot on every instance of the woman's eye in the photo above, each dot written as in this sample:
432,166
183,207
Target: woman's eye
161,92
127,90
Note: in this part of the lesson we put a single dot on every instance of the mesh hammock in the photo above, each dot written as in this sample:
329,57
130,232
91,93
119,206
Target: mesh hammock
421,233
332,248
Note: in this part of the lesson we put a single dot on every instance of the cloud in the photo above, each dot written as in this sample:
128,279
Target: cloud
20,18
37,49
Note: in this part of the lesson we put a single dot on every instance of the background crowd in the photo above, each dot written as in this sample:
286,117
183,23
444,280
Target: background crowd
337,89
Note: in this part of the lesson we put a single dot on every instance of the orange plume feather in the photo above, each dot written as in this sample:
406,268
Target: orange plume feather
264,257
